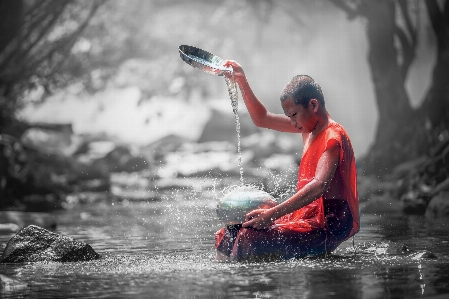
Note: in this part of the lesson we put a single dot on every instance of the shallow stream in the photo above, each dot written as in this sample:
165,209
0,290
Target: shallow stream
165,250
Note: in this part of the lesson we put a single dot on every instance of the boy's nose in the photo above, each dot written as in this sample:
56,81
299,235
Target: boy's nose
293,122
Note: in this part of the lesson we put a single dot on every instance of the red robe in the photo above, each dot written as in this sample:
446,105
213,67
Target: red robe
312,215
305,230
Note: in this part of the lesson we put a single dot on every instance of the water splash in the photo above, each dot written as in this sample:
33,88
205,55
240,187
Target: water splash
233,95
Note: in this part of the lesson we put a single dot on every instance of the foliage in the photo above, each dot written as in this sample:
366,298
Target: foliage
36,38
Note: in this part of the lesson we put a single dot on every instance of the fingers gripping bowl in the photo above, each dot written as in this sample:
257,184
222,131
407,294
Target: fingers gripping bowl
234,206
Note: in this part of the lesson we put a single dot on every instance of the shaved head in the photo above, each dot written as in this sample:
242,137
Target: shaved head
301,89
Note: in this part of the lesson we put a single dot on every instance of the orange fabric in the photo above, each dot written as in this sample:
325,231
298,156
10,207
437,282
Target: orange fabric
312,216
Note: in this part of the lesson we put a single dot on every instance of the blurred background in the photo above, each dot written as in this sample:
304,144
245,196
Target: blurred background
93,91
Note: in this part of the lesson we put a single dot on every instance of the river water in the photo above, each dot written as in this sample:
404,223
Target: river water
164,249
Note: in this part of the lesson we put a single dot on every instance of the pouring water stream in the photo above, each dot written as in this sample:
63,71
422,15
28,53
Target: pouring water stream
213,64
233,95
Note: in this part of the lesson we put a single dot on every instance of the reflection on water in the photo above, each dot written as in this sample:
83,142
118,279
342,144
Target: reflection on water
165,250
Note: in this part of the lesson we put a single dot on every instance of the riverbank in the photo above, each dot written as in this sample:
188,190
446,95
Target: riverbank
416,187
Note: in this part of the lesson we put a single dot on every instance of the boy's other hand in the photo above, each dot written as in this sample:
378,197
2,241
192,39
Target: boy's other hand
258,219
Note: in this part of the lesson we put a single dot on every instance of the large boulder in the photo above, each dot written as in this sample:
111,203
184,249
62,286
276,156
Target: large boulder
414,202
36,244
9,285
14,169
54,139
121,159
439,205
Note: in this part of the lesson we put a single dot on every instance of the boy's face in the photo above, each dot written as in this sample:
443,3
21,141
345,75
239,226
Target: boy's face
303,119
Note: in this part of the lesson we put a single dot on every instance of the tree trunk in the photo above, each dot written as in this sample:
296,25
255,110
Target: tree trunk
392,100
418,132
403,133
11,16
436,103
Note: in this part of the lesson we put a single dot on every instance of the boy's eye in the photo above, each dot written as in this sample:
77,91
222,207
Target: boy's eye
293,114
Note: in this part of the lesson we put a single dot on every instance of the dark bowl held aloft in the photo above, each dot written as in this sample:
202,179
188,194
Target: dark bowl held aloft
203,60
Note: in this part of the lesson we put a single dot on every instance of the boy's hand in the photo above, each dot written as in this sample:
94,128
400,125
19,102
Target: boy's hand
258,219
237,68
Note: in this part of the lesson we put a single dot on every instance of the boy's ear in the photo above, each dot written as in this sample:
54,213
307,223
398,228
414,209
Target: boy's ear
314,104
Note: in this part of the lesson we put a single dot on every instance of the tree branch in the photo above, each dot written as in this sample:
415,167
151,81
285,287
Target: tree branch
408,41
446,12
34,8
408,51
43,57
408,23
75,35
64,45
41,13
20,54
437,20
57,13
291,14
10,21
351,12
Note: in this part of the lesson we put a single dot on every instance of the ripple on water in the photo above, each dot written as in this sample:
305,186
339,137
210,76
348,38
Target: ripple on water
172,272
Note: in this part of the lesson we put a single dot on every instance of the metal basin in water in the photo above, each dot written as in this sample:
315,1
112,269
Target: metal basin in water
233,207
203,60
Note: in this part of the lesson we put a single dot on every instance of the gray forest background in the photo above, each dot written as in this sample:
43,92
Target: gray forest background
81,78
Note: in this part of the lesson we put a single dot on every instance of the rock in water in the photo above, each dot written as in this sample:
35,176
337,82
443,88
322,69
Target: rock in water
423,255
234,206
36,244
9,285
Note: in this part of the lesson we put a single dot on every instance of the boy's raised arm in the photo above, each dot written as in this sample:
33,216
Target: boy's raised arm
260,116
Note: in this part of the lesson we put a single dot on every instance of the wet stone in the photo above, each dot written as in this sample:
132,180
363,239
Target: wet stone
385,248
439,205
414,203
423,255
381,248
36,244
9,285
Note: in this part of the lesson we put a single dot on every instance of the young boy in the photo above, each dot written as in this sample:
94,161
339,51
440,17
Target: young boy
324,211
